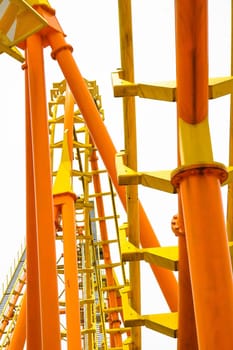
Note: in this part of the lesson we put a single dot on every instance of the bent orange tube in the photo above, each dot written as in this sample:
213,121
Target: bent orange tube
209,261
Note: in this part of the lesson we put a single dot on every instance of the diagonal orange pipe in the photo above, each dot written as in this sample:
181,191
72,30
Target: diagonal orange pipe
61,52
18,338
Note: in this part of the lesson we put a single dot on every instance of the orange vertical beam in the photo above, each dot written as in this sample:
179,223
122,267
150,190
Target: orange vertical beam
230,185
33,323
192,60
199,186
64,200
66,204
209,260
43,196
187,338
62,53
18,338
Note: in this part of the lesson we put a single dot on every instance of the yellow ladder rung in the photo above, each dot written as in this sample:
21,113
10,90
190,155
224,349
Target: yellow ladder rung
118,330
109,241
108,266
103,218
110,288
88,330
83,237
113,309
98,171
86,270
99,194
86,301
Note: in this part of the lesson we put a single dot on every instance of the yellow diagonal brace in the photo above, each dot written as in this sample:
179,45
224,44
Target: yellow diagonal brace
159,180
18,20
166,323
165,91
220,87
62,182
195,142
166,257
13,52
38,2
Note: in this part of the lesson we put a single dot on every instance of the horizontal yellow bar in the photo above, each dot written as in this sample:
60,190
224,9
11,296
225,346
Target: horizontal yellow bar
166,323
160,180
165,91
166,257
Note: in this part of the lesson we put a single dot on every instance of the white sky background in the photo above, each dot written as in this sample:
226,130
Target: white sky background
92,29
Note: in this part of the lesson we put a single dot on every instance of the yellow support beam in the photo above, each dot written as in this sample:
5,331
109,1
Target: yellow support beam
165,323
18,20
165,91
166,257
160,180
63,182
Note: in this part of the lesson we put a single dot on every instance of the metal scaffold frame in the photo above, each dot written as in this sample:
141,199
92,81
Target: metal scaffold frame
82,274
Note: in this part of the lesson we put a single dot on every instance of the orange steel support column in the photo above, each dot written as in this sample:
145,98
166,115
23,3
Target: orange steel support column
33,323
198,181
112,295
62,53
17,341
43,196
209,260
187,337
230,186
65,202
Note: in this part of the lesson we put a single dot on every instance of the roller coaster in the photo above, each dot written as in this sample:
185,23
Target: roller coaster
77,282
